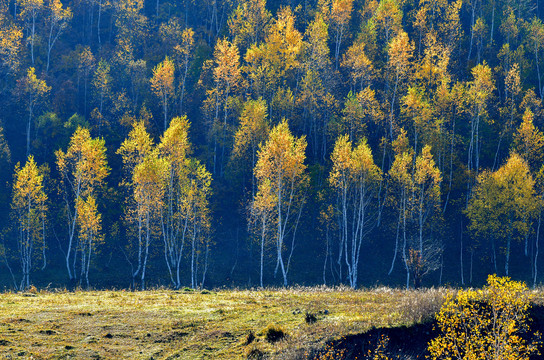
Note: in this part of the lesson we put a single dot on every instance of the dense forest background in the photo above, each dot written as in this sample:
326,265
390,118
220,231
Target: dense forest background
252,143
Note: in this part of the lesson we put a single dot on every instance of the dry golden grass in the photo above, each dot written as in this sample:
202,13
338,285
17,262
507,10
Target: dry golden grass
164,324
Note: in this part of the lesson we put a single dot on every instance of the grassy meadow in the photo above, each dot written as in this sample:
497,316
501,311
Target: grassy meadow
223,324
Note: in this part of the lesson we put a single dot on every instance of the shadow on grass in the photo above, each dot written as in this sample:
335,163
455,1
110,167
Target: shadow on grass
405,342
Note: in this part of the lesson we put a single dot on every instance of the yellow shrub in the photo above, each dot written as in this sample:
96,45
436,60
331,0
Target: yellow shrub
485,324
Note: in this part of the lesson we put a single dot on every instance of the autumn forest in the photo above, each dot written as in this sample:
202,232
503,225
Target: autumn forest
254,143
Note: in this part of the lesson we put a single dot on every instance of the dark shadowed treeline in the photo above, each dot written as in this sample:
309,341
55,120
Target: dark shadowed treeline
253,143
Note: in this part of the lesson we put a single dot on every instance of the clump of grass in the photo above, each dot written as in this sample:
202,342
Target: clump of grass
250,337
421,305
274,333
310,318
254,353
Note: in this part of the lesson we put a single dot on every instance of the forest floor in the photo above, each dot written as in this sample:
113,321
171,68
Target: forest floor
186,324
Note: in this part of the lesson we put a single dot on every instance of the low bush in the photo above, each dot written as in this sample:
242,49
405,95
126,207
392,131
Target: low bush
310,318
274,333
491,323
254,353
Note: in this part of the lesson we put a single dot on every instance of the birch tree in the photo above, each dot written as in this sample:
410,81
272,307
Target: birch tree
195,209
227,78
86,64
281,161
30,9
529,144
359,66
248,22
102,84
31,91
175,148
535,42
149,179
338,14
356,179
262,211
29,207
10,46
136,150
83,168
252,131
401,176
162,84
425,256
90,227
479,92
184,52
399,53
273,63
58,19
503,206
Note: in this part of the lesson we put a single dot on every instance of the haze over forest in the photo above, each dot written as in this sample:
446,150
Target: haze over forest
248,143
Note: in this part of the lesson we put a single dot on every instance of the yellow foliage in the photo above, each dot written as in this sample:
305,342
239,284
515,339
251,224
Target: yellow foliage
29,206
248,22
504,203
10,45
485,324
162,84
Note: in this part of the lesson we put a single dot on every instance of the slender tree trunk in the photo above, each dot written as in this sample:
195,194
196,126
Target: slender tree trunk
471,31
538,73
405,240
205,270
477,142
441,269
420,218
49,46
193,253
326,256
167,250
43,245
30,108
507,262
393,107
140,246
165,109
380,202
493,21
98,22
76,250
396,245
147,241
184,78
461,256
71,230
527,244
471,264
263,232
85,96
89,260
32,37
537,248
451,164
